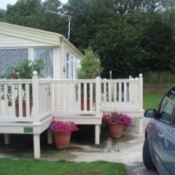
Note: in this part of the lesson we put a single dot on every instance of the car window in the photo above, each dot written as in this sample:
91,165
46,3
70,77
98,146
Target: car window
167,108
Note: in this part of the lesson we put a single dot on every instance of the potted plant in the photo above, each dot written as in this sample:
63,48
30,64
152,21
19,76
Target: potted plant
24,70
115,122
62,132
90,67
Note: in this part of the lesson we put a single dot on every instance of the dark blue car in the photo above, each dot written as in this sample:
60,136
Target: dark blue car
159,145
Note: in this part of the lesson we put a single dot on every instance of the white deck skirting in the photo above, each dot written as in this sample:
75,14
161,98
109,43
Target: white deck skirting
26,128
80,101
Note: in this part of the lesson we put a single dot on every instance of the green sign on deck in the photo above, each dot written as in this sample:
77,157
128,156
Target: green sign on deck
28,130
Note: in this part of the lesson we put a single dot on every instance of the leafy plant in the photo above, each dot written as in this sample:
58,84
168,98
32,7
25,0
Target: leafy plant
60,126
24,69
117,118
90,65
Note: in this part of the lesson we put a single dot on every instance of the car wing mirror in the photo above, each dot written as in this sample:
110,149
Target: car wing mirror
150,113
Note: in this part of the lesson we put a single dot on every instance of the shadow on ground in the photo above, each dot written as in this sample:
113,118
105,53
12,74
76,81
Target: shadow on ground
21,146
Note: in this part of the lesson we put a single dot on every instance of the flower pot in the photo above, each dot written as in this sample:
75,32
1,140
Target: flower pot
24,112
62,140
115,130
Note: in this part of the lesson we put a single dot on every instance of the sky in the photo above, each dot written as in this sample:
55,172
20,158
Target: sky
3,3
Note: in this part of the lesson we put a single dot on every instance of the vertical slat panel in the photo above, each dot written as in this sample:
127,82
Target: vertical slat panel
128,100
85,96
120,92
13,99
27,100
20,100
79,95
105,86
115,94
131,91
117,91
6,99
125,92
109,91
91,96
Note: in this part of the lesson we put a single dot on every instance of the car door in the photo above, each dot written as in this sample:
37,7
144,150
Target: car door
169,150
165,136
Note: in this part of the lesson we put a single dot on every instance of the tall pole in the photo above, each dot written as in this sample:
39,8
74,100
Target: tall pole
69,21
68,34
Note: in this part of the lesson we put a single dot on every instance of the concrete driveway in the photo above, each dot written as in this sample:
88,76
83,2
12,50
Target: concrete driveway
127,149
137,168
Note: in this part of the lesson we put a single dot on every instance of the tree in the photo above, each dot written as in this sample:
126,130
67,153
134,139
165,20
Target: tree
127,6
88,16
34,13
158,45
24,12
2,15
90,65
125,34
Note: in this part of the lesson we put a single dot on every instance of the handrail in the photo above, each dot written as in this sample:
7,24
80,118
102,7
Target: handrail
42,97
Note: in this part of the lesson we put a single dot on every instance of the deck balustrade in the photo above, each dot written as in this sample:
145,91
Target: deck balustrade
33,100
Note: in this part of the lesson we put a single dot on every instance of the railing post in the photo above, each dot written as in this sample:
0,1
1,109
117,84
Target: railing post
98,96
141,91
35,112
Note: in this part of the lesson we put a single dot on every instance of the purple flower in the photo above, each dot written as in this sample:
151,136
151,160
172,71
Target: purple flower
117,118
60,126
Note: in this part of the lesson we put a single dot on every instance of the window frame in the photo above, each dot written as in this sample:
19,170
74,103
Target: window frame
162,106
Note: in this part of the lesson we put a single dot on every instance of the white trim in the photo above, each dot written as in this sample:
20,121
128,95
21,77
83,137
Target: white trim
55,66
31,54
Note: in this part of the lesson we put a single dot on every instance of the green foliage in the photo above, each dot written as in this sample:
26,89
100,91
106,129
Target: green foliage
126,6
129,36
31,167
33,13
157,43
24,69
2,15
159,77
24,13
90,65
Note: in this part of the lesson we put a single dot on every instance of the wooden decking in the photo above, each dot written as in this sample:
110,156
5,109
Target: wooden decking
61,100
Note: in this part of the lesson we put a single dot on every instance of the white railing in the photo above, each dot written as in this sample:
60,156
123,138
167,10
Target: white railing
24,100
122,94
32,100
92,96
44,96
15,100
75,96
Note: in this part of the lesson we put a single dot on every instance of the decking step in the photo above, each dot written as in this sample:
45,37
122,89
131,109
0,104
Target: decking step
79,119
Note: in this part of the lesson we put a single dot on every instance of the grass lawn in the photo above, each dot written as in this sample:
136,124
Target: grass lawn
41,167
150,101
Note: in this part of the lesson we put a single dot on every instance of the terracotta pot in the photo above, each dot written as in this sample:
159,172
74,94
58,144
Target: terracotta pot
88,104
23,108
14,76
62,140
115,130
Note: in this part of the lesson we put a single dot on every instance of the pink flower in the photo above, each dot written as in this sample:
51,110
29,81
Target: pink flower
60,126
117,118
